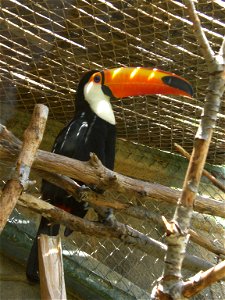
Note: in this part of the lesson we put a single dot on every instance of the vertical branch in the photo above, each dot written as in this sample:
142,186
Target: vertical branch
170,285
51,268
20,179
199,33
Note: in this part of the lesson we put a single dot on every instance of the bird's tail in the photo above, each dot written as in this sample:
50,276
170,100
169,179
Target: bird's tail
32,270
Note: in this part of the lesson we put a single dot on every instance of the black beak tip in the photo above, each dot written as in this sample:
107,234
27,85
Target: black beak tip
178,83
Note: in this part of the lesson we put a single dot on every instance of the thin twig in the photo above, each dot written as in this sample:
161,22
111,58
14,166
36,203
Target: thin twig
216,182
199,32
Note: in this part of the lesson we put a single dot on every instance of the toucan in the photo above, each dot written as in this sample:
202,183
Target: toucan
93,130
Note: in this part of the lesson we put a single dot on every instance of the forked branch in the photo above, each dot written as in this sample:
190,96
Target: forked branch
170,285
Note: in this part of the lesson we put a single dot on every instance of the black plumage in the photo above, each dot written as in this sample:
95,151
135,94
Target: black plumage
84,134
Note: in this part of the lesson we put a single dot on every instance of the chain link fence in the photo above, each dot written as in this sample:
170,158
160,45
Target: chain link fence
110,264
45,46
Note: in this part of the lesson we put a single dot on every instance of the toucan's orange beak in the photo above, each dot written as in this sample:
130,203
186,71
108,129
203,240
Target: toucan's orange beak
124,82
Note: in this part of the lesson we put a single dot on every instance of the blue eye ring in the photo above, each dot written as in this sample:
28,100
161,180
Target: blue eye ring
97,78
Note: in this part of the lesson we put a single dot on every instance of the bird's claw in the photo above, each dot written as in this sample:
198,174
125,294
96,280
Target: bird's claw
107,217
84,188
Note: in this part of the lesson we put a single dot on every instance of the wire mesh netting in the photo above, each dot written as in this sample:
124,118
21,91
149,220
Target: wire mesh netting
115,265
123,266
45,47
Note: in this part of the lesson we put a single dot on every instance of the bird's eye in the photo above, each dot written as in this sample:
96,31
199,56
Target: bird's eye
97,78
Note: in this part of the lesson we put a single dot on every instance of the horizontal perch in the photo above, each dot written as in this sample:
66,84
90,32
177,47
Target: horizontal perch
130,209
93,172
116,230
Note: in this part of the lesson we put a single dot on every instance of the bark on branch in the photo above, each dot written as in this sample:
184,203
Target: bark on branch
128,208
93,172
52,283
115,230
199,33
170,285
202,280
20,179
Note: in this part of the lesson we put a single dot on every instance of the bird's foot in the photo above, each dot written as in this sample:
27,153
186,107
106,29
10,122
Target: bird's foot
67,232
84,188
83,194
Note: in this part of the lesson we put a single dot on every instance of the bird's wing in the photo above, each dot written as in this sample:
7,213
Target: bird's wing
70,140
83,136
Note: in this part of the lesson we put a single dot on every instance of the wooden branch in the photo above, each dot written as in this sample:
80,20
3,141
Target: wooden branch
202,280
115,230
222,50
97,174
216,182
169,286
81,194
20,179
99,199
199,33
50,260
128,208
104,179
205,243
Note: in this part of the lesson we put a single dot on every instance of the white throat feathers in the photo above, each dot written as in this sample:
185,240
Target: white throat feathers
99,102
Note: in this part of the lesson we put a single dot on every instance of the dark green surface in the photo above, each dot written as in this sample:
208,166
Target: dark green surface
15,243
